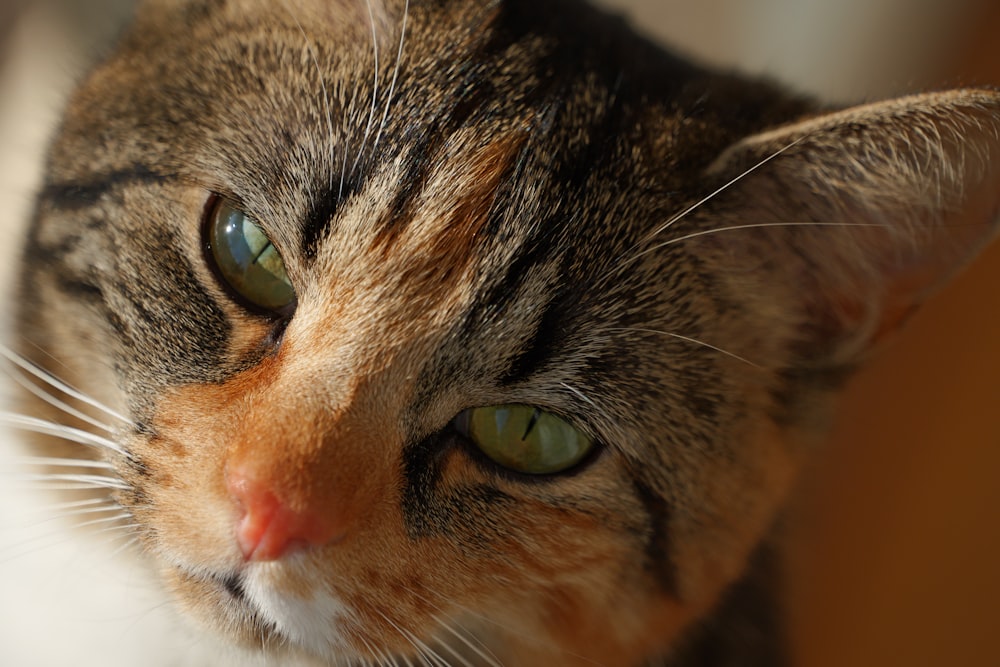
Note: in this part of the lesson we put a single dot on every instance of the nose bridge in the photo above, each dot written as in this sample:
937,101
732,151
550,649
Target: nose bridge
312,452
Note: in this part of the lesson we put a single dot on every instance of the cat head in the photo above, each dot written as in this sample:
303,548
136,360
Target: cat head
460,325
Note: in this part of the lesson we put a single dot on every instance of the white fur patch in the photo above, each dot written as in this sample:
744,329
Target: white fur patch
310,623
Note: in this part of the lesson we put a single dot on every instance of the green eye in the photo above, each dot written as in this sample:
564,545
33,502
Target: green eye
247,260
524,438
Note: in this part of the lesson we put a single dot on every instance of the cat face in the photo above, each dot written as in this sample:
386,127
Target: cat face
323,259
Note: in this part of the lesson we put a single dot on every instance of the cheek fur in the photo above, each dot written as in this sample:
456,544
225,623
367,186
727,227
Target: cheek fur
528,566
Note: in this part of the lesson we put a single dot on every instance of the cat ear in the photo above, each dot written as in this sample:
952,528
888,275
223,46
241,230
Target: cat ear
861,213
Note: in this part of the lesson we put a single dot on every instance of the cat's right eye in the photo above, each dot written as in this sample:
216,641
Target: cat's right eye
246,261
524,438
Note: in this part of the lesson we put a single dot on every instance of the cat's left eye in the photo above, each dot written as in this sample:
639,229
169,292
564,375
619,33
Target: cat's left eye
524,438
246,260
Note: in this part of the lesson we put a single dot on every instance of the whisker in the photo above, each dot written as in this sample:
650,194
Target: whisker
72,505
54,538
536,641
684,213
326,97
423,650
756,225
18,377
622,263
374,106
395,74
57,462
83,511
688,339
452,650
38,485
39,516
370,649
579,394
107,519
94,481
25,365
69,433
491,660
128,544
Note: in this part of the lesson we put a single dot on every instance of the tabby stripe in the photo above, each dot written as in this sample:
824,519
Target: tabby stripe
77,195
421,465
543,342
659,560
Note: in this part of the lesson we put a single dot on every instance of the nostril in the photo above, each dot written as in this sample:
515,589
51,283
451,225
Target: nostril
268,527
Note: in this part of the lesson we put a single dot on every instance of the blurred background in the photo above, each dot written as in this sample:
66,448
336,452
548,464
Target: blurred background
898,533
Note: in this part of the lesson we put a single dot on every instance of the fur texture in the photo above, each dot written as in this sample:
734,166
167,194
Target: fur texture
479,204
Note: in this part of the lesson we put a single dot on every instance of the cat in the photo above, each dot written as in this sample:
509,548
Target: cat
462,333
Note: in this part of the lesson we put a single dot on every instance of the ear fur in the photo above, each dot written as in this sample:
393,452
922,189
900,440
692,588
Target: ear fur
865,211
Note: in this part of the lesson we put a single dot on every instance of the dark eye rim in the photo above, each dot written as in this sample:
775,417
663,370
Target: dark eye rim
473,451
281,316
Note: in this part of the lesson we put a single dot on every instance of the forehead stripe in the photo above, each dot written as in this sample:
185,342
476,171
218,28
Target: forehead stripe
77,195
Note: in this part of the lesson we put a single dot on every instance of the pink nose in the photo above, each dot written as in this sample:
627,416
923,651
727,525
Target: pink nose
269,528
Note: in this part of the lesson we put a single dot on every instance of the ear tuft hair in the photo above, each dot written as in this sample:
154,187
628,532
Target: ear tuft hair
868,209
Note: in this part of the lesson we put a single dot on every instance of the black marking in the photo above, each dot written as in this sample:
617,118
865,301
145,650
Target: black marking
469,513
543,342
659,560
421,475
81,194
234,586
323,210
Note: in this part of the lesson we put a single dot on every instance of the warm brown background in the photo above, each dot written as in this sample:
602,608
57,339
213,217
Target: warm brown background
901,537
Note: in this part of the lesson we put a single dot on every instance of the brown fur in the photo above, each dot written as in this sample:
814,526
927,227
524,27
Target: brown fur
510,233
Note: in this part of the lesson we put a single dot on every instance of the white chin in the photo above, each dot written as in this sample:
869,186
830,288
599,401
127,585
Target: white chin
311,623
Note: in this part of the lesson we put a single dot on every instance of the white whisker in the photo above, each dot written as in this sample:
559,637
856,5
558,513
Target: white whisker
684,213
688,339
80,512
108,519
395,74
622,263
374,106
18,377
326,96
423,651
72,505
53,486
57,462
491,660
53,381
445,646
756,225
56,537
579,394
93,481
42,516
42,426
128,544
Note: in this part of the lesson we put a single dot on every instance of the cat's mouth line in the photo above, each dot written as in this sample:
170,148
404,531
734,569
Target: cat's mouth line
233,585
